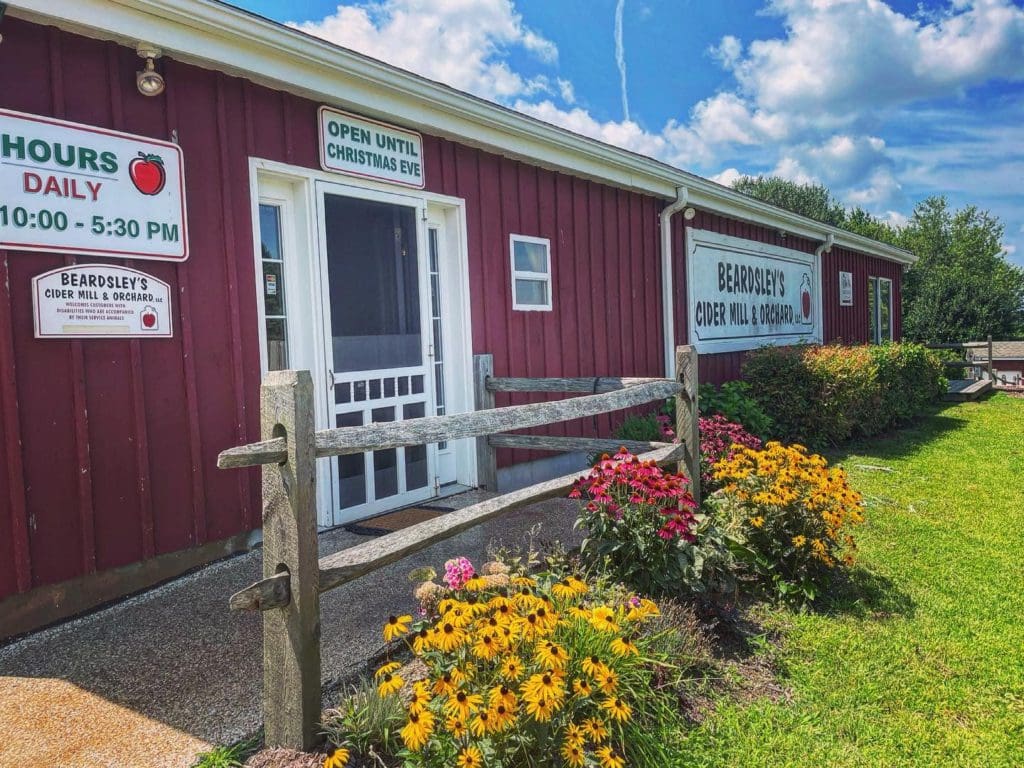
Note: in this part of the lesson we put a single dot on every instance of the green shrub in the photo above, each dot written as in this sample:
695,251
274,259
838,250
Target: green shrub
785,389
824,395
911,377
736,403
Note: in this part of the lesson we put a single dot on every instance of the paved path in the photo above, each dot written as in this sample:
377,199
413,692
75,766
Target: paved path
153,680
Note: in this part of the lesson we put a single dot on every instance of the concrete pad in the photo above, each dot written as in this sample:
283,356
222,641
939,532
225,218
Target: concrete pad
155,679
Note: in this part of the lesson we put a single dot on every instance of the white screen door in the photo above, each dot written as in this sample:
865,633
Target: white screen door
378,324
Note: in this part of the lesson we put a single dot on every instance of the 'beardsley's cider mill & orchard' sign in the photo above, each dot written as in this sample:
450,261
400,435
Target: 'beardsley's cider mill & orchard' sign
76,189
745,294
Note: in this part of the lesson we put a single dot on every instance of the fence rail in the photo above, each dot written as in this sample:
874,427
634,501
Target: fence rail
294,575
965,345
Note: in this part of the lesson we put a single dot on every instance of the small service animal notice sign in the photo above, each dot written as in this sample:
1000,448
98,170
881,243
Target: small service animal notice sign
101,301
845,289
362,147
72,188
744,294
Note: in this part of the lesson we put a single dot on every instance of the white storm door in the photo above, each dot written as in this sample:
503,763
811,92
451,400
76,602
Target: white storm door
377,321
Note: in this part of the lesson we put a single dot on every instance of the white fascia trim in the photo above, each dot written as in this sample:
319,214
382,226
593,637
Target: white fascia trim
219,36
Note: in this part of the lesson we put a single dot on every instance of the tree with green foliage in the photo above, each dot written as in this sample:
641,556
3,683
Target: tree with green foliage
962,287
811,200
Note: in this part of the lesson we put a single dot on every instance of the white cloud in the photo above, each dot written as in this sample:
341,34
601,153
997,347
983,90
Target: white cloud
728,51
810,105
566,90
843,57
458,42
727,177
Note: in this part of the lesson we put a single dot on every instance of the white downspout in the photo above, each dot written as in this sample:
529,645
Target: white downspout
667,286
825,247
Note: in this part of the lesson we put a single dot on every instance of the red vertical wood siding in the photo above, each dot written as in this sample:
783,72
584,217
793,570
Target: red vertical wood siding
840,324
110,446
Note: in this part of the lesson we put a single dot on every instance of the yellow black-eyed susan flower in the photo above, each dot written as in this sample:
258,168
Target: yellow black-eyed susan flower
595,729
463,704
624,647
336,758
608,759
396,627
390,667
417,731
470,757
617,708
389,684
573,754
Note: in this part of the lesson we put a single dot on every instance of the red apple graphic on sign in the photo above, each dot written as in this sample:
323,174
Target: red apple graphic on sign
149,318
805,297
147,173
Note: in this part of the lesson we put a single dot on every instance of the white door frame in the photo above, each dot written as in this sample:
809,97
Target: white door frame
294,187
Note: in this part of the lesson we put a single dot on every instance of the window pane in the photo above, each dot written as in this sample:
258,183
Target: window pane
277,345
385,463
530,257
415,455
273,287
374,284
270,231
351,468
532,293
885,310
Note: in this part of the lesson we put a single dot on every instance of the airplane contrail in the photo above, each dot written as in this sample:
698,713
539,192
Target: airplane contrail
620,55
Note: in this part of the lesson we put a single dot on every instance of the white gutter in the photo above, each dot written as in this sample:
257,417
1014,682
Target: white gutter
218,36
667,283
825,247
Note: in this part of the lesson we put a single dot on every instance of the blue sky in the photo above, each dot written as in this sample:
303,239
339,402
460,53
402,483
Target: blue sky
885,103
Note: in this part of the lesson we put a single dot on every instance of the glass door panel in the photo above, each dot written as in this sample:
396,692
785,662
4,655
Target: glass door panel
374,277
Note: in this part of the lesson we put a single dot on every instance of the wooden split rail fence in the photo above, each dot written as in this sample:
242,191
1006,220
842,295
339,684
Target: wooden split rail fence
294,575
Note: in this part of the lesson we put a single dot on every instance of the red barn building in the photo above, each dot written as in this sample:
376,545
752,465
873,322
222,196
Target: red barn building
284,202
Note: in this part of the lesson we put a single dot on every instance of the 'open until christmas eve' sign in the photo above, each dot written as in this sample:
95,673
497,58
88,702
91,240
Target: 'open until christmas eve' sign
100,301
72,188
362,147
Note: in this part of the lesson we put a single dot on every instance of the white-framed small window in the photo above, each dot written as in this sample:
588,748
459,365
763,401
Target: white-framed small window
880,318
531,273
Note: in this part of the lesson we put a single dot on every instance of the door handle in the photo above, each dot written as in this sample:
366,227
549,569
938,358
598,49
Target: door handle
330,380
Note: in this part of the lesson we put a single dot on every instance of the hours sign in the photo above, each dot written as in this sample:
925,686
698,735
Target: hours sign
744,294
71,188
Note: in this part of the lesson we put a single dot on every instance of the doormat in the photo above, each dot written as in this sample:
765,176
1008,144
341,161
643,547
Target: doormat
390,522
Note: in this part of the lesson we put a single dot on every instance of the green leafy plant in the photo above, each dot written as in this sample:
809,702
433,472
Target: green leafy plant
737,404
365,721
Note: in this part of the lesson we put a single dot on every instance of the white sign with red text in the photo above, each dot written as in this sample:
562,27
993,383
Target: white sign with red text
72,188
100,301
745,294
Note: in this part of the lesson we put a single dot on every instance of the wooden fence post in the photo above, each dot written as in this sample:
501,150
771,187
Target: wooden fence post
483,399
991,368
291,634
687,415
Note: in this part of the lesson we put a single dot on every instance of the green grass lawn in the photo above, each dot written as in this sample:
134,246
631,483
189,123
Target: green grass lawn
920,661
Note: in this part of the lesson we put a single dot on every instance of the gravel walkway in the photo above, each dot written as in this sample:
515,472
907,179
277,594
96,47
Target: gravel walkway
154,680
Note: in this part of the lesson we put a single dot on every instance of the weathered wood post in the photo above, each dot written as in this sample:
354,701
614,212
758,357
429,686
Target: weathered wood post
991,368
687,415
291,634
483,399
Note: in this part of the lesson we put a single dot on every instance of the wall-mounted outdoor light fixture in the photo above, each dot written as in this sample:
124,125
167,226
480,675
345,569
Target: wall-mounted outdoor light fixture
149,81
